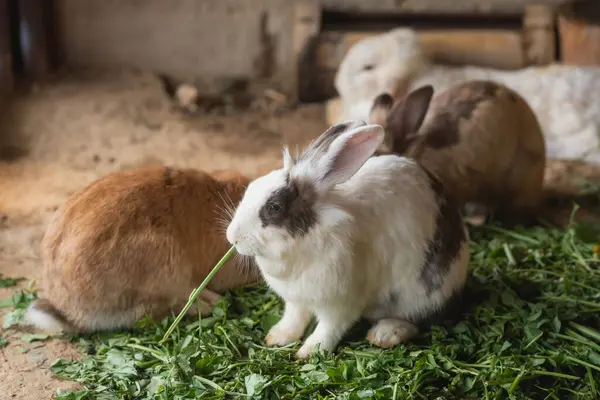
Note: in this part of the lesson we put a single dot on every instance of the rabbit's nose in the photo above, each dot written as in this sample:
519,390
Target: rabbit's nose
231,236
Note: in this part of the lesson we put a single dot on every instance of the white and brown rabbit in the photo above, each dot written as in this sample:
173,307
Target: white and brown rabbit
133,243
479,137
343,235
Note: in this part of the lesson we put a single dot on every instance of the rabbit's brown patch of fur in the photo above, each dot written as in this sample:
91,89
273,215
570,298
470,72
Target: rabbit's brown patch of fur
296,207
455,107
448,238
484,142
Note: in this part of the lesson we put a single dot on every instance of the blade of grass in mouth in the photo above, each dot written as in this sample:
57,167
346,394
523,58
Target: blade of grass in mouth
194,295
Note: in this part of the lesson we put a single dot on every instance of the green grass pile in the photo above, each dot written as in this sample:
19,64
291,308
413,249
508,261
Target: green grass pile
533,332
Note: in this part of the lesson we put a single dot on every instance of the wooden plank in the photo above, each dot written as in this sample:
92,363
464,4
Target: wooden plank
280,18
491,48
6,73
474,7
35,36
487,48
501,49
579,29
292,27
306,28
539,39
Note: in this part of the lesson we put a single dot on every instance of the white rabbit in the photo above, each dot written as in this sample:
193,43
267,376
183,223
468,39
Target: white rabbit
340,235
564,98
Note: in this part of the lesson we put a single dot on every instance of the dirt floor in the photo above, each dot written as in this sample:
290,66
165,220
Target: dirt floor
62,135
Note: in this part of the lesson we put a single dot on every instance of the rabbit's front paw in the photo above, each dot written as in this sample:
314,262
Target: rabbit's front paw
290,328
282,335
388,333
305,350
326,344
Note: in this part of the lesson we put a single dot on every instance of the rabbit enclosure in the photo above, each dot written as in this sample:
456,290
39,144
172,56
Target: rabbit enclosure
90,87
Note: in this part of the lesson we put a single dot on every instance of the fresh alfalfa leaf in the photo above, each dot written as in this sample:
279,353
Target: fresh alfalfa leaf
22,299
506,345
119,341
13,318
307,367
366,394
556,324
315,376
121,363
219,311
58,366
535,315
255,384
186,342
64,368
431,361
183,362
461,327
536,361
415,354
3,342
509,299
594,357
268,321
102,395
156,385
466,383
203,365
33,337
9,282
338,373
73,395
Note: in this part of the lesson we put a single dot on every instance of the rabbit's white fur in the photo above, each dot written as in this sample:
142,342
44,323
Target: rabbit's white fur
373,227
565,98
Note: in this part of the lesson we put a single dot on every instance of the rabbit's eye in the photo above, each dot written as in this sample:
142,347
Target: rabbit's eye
274,208
368,67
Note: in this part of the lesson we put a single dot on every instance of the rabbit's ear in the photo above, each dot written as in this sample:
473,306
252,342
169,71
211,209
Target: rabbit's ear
348,153
407,115
288,160
320,145
380,109
344,156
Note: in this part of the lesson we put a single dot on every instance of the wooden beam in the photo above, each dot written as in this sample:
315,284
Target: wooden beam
6,72
539,39
502,49
306,29
579,30
293,25
493,48
436,7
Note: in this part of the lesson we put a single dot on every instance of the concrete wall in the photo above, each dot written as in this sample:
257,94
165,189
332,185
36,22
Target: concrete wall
187,39
204,40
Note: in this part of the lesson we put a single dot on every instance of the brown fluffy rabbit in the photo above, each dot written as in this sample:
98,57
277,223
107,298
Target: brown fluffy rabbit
481,138
134,243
